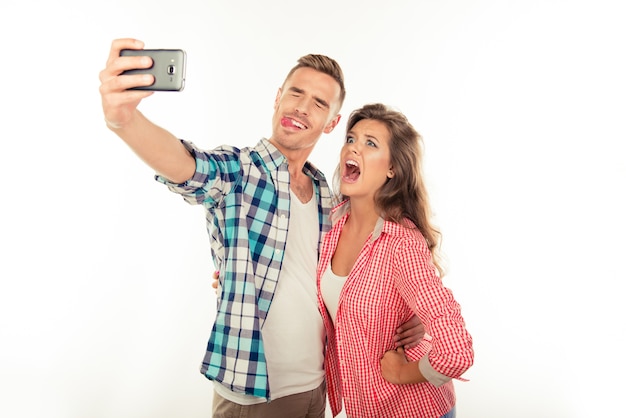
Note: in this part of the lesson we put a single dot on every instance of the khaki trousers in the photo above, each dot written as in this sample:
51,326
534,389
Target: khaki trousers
311,404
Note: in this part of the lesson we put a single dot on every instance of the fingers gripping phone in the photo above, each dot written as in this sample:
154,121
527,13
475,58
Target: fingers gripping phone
168,68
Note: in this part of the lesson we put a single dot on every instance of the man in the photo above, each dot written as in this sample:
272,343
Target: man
254,199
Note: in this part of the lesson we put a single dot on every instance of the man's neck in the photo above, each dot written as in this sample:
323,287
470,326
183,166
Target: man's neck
301,185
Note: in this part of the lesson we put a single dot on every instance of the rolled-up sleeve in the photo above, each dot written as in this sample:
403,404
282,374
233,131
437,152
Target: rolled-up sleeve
451,352
216,171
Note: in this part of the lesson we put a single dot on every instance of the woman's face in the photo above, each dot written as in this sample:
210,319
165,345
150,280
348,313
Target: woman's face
365,159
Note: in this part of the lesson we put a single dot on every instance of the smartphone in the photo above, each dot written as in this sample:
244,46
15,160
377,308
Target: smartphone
168,68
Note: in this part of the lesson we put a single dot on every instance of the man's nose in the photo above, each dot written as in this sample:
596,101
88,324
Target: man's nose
303,106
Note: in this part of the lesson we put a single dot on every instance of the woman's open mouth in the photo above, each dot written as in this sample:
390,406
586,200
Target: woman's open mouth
351,171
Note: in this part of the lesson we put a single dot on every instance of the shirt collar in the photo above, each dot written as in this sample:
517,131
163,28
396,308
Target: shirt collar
270,155
341,210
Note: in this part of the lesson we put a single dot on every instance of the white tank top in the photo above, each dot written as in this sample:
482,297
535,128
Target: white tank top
330,288
293,332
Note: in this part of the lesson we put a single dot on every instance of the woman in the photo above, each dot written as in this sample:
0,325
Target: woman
378,267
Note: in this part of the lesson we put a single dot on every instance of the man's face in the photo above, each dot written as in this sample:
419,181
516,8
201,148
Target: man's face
305,107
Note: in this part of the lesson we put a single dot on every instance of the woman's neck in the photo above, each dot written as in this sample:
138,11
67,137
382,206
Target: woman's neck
363,215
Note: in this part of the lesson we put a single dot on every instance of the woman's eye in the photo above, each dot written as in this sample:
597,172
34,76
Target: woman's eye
349,140
371,144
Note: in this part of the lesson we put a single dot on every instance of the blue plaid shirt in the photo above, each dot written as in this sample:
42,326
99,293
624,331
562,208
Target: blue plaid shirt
246,196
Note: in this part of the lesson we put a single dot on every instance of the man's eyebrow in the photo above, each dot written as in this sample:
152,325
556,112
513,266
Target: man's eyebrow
322,102
296,90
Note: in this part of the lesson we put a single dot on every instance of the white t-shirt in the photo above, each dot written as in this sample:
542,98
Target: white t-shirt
293,332
330,288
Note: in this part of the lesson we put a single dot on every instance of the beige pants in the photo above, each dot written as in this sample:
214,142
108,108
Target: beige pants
311,404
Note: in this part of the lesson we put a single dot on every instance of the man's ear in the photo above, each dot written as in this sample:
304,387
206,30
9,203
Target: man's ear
331,125
279,93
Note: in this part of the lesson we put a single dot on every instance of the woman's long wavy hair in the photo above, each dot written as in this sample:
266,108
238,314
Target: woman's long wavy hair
404,195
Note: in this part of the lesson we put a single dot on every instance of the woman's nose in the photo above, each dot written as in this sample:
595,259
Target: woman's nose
353,147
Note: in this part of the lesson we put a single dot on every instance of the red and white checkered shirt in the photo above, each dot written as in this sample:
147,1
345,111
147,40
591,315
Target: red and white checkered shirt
392,279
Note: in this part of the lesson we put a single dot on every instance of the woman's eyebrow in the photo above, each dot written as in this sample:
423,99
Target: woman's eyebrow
367,136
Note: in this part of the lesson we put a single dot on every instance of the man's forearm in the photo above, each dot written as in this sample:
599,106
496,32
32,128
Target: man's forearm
157,147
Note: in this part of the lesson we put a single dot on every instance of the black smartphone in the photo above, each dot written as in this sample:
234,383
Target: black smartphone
168,68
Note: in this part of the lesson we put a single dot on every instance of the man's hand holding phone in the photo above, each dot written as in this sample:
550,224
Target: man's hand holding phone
119,104
131,76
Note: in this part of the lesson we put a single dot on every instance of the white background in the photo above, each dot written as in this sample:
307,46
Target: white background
105,297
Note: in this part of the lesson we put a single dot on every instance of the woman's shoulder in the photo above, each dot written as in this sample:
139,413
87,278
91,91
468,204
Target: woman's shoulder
406,230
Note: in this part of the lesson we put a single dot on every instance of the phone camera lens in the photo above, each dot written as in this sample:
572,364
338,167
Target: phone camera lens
171,69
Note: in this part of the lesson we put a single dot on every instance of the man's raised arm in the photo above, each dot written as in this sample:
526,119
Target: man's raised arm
157,147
